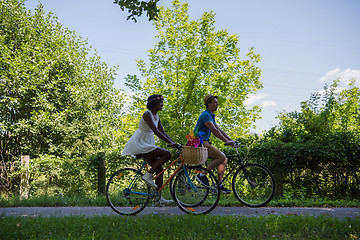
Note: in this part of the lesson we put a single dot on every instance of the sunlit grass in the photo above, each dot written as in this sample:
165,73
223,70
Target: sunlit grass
179,227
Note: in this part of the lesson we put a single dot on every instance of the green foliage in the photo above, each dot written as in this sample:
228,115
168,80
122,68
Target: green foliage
325,114
136,8
56,98
58,200
190,60
55,176
51,176
316,152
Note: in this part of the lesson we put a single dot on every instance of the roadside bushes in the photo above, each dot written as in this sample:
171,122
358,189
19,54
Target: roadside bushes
51,175
315,151
327,168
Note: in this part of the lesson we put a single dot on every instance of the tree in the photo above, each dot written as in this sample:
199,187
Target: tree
190,60
325,113
136,8
317,150
54,97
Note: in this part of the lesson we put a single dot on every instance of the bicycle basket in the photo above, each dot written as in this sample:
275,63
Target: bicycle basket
194,155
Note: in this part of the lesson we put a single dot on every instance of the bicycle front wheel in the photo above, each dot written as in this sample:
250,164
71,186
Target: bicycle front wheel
253,185
191,195
126,192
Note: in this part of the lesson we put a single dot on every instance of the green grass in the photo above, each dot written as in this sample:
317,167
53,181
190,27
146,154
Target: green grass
225,200
176,227
231,200
179,227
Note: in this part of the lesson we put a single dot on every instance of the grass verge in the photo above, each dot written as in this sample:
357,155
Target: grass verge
225,200
179,227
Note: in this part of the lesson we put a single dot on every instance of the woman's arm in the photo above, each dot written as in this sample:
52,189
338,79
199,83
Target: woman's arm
149,120
161,129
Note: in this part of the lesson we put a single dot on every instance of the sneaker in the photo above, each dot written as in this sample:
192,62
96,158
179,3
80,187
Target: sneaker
203,180
224,190
148,178
162,202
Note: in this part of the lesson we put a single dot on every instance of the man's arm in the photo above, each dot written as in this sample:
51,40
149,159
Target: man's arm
222,132
218,133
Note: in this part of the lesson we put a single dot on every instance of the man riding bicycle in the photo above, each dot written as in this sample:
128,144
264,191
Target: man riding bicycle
207,124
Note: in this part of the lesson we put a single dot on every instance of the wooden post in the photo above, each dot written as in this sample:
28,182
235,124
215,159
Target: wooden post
101,173
25,177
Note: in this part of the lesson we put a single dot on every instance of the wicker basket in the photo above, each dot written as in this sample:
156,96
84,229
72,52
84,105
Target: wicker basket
193,155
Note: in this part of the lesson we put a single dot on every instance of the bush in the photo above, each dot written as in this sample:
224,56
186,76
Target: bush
51,175
329,168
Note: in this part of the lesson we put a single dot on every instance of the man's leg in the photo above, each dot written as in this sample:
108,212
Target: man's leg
219,160
221,170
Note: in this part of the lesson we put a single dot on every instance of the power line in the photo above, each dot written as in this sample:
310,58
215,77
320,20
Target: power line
292,72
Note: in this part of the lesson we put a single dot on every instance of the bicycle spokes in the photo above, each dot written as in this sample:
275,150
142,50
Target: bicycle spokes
191,195
126,193
253,185
248,177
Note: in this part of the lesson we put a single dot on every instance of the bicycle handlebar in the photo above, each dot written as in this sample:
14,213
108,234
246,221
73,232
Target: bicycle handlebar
178,147
236,144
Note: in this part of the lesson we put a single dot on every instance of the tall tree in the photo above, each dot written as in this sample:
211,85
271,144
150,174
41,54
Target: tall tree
190,60
55,98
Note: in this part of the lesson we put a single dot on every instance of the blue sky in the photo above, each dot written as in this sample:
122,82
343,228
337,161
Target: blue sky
303,44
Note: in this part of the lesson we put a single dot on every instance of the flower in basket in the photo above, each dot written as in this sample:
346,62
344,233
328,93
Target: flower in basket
194,138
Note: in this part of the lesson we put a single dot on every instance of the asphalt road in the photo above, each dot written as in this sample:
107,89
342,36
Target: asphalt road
168,211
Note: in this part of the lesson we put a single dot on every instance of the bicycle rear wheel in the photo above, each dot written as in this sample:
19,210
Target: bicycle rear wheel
191,195
126,192
253,185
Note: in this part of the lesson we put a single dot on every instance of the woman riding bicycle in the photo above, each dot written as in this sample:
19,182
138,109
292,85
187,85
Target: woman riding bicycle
142,142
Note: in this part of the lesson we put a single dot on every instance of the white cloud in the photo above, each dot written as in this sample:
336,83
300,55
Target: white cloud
265,104
344,76
254,98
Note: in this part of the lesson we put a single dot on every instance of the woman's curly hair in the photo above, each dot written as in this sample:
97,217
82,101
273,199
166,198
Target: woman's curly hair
153,100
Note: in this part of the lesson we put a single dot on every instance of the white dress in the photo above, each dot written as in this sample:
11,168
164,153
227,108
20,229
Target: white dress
142,141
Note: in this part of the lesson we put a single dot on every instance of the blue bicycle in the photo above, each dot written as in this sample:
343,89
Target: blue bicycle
128,194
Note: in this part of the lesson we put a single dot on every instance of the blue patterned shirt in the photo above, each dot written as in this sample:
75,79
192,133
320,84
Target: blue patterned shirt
204,117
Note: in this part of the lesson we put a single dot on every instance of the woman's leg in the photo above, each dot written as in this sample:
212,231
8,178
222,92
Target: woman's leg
156,159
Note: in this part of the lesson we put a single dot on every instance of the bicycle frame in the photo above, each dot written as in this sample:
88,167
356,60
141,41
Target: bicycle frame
174,173
144,165
128,190
240,162
127,193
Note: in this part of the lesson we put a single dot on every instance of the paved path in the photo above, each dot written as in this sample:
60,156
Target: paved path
168,211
